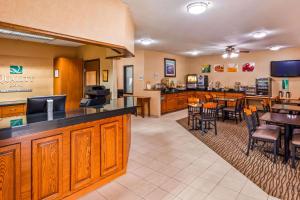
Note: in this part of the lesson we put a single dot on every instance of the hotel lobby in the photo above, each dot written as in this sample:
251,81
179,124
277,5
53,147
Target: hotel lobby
149,100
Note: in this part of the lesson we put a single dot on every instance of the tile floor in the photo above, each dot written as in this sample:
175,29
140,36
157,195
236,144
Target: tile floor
166,162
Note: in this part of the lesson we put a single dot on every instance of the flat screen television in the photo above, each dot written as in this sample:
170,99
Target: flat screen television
287,68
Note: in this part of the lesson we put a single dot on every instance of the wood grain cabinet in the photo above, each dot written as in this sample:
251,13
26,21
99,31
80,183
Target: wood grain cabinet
47,168
10,172
111,148
82,157
65,162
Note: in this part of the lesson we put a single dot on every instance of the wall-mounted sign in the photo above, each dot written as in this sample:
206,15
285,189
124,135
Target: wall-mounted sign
14,81
14,69
285,84
16,122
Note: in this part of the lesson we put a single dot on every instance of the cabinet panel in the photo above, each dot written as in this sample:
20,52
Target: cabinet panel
111,148
47,166
10,172
81,157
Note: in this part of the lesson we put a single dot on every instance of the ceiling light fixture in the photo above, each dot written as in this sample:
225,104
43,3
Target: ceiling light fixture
197,8
194,53
22,34
259,34
275,48
230,55
146,41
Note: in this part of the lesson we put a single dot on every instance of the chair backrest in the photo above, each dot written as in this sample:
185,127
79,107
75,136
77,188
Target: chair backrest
255,116
266,104
249,120
208,98
209,111
193,100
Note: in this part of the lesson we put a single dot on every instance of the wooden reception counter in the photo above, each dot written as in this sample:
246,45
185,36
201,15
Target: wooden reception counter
64,155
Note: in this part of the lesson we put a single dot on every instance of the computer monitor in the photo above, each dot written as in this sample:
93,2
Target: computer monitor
39,104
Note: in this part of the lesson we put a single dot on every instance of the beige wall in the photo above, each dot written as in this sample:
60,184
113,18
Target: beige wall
37,60
149,67
262,60
154,66
88,52
86,19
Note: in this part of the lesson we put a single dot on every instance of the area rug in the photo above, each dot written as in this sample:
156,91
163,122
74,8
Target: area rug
278,180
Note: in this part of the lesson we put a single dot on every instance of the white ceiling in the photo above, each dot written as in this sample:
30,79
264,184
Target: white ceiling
227,22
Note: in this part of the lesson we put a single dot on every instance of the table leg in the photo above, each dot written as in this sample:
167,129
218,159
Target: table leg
287,143
149,108
143,109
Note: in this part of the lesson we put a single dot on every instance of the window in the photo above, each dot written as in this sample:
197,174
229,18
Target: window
128,79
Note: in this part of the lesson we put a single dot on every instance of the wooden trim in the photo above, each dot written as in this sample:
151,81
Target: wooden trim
125,53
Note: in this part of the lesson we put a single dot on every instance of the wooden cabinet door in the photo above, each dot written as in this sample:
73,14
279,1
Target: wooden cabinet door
10,172
47,167
82,155
111,148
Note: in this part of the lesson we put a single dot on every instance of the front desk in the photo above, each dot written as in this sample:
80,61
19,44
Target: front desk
64,155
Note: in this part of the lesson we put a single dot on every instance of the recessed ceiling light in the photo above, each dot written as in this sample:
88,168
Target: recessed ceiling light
275,48
26,35
259,34
146,41
197,8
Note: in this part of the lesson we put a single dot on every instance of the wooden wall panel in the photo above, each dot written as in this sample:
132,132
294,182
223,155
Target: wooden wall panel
10,172
82,146
111,148
47,167
70,80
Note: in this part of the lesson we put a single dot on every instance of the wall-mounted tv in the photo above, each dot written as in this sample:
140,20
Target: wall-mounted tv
287,68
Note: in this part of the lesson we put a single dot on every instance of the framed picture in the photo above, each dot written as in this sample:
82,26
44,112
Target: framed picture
248,67
170,67
218,68
206,68
232,67
105,75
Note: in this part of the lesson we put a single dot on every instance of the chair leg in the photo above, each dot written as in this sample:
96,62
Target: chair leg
293,156
236,118
216,133
248,146
189,118
275,151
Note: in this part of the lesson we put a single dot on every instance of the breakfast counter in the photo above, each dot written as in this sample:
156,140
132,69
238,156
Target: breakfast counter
64,155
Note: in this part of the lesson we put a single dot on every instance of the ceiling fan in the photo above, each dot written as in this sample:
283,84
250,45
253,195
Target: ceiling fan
232,52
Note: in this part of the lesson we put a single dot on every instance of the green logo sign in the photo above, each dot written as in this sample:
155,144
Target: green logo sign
16,69
16,122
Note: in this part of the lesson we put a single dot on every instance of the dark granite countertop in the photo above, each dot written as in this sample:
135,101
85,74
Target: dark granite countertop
204,90
28,124
11,103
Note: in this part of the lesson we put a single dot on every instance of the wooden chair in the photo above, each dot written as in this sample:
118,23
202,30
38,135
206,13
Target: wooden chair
208,117
266,104
208,98
295,144
234,112
266,135
193,110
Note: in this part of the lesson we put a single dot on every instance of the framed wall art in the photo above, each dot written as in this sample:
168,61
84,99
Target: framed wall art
170,67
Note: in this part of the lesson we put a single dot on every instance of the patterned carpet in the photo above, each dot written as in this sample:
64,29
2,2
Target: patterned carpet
278,179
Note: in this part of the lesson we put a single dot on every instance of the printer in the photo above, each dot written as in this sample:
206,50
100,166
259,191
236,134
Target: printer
95,95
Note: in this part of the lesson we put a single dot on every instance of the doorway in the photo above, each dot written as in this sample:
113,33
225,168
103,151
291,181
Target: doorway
91,72
128,79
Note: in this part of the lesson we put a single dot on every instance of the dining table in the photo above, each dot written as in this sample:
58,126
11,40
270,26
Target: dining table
286,107
225,100
289,121
290,101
